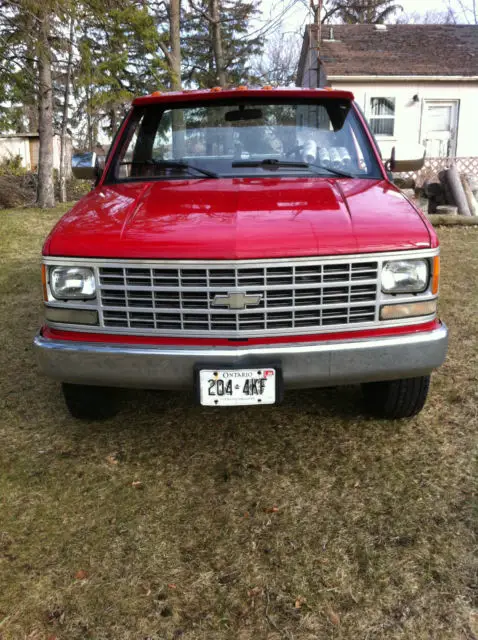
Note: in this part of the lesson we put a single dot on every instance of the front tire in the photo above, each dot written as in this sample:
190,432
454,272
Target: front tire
90,403
394,399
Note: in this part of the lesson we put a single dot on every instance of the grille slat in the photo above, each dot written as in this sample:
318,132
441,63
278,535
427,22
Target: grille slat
173,299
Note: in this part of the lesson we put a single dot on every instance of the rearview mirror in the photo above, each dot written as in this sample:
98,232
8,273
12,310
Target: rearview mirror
87,166
243,114
407,157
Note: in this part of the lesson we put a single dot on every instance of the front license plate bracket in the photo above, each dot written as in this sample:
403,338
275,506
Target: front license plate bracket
238,390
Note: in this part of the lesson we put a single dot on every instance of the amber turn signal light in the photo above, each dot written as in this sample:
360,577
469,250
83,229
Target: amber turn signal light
43,281
436,274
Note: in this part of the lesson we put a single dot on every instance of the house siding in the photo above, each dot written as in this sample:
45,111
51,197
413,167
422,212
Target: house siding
409,125
27,147
12,147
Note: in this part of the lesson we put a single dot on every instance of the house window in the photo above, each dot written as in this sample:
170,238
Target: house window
382,116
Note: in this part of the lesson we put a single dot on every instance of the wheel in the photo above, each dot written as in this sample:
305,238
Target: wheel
395,399
90,403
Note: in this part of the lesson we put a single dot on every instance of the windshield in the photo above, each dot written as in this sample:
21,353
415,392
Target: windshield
244,138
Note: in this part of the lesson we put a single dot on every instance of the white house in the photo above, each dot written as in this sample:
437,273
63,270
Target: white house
27,146
414,82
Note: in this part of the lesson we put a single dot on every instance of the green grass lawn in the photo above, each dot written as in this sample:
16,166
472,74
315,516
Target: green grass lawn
303,521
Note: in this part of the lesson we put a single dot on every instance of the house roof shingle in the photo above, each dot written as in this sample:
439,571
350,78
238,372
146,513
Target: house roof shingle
400,50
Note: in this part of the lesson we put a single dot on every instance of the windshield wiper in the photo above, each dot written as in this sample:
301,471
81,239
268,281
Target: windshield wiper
336,172
275,163
171,164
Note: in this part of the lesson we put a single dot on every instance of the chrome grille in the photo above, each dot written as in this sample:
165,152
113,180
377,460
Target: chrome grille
295,298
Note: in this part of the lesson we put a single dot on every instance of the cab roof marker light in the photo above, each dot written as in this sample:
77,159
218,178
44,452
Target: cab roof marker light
216,89
241,87
267,87
157,93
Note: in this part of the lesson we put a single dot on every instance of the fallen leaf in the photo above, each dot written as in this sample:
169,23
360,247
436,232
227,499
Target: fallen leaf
137,484
273,509
255,591
55,615
246,514
81,574
171,585
333,617
299,602
112,459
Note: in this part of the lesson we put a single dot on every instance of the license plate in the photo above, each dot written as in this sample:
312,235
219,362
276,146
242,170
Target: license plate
233,387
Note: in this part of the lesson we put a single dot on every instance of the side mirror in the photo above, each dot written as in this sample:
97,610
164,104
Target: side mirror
407,157
87,166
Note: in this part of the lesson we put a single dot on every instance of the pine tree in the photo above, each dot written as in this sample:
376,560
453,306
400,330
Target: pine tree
218,49
118,59
18,79
364,11
28,31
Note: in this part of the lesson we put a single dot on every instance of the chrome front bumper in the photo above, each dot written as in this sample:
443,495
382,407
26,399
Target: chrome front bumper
303,365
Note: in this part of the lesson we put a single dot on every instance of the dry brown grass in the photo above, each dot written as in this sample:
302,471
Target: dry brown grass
372,536
439,220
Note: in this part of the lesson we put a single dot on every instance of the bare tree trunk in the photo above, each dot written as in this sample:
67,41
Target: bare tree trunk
217,42
46,191
30,105
174,31
89,119
174,60
64,119
173,52
113,121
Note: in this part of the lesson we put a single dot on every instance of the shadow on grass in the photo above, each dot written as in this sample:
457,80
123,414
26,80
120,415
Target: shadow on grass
170,426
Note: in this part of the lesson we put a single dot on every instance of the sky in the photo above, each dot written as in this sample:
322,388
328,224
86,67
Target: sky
294,14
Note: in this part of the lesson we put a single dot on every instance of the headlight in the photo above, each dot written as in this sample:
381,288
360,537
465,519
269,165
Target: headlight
405,276
72,282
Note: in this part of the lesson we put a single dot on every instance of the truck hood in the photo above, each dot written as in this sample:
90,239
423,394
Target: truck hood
239,218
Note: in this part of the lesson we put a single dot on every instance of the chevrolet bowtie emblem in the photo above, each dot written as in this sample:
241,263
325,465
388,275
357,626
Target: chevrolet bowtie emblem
236,300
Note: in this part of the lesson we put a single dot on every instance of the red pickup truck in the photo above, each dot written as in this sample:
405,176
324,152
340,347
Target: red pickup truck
240,243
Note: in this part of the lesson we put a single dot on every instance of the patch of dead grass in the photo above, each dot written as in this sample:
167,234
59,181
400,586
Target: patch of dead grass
303,521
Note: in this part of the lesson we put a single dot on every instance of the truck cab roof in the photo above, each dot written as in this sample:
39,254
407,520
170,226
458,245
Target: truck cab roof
218,93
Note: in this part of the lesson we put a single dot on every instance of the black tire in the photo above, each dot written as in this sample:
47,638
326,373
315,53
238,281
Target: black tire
394,399
90,403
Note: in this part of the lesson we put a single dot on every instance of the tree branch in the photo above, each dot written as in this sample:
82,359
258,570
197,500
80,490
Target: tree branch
202,13
21,6
167,53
